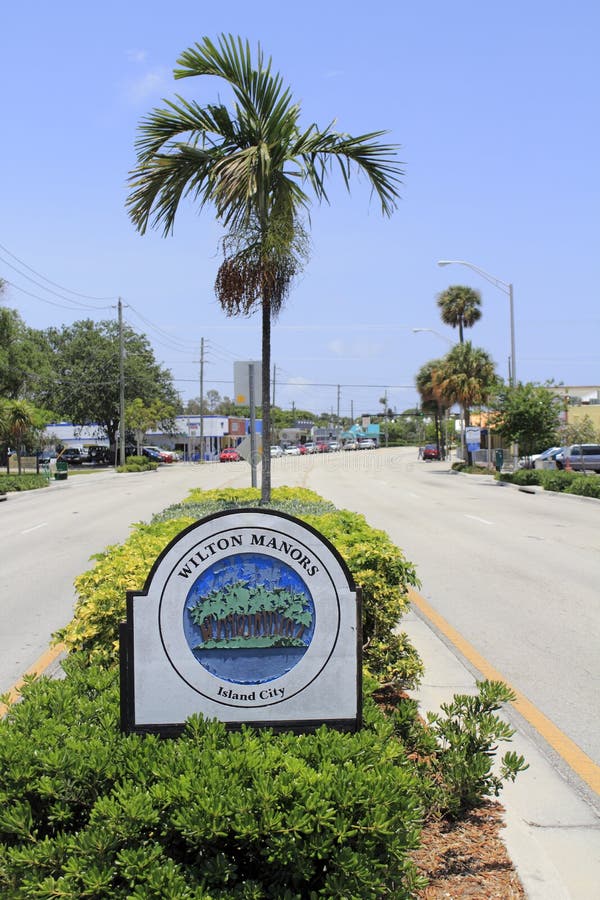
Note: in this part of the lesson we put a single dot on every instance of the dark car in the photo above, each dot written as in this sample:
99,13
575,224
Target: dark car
430,451
99,455
153,454
73,456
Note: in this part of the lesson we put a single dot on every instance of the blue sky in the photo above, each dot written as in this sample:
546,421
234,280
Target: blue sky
496,109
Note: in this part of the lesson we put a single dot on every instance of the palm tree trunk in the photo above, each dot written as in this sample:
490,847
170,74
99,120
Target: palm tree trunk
265,494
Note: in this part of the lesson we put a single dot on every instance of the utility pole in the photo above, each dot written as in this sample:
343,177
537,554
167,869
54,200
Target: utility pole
201,399
121,386
338,402
274,376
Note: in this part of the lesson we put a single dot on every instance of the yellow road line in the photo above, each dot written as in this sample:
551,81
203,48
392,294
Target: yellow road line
37,669
573,755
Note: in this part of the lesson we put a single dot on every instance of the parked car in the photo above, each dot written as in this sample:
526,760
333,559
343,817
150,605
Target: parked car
158,454
350,445
579,458
322,447
229,455
292,451
334,446
74,456
98,454
366,444
276,450
309,447
528,462
430,451
547,459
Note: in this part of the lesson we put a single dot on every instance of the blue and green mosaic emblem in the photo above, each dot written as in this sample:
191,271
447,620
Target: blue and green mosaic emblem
249,619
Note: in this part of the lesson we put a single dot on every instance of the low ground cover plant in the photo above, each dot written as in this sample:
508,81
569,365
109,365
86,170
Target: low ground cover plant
28,482
86,811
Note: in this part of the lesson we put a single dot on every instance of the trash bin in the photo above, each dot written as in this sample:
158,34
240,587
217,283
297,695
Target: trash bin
62,470
499,460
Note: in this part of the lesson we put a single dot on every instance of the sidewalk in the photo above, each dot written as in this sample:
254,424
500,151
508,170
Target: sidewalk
552,832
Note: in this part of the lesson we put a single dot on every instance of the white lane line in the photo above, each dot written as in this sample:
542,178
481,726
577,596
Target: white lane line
34,527
477,519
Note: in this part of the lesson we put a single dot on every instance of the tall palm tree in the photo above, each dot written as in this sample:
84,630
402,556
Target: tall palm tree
459,307
466,376
255,165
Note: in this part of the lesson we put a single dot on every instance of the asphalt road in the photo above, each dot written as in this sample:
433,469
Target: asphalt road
516,573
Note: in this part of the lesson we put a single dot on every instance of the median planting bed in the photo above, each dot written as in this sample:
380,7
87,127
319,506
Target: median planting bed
86,811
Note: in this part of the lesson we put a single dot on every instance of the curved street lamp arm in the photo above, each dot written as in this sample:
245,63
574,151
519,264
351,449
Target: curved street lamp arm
497,282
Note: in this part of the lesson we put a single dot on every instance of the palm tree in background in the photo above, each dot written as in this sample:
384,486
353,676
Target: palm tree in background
432,399
254,164
460,307
17,419
466,376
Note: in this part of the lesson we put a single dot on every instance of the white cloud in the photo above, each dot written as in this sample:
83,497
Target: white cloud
152,83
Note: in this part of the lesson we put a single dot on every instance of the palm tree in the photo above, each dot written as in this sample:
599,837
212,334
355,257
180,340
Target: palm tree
431,397
466,375
17,418
459,307
254,164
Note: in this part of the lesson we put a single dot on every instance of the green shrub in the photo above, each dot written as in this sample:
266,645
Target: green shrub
29,482
138,464
585,486
86,811
557,479
522,477
376,564
455,751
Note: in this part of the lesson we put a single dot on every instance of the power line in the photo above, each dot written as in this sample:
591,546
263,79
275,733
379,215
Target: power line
53,283
53,302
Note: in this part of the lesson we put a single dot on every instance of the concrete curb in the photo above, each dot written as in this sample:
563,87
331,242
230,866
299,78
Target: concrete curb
552,833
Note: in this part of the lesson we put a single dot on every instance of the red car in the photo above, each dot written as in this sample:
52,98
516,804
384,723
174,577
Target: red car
430,451
229,455
322,447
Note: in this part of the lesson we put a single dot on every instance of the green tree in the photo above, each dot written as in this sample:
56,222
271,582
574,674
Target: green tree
20,423
86,364
140,417
432,400
459,307
466,375
527,415
253,164
24,357
581,432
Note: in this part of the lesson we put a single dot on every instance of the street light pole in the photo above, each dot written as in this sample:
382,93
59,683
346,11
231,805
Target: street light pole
506,288
437,334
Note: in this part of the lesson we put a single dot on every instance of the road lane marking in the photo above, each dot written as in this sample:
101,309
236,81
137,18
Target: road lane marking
567,749
34,527
37,669
477,519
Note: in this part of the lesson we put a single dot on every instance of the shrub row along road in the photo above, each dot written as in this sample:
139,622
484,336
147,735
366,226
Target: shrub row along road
515,573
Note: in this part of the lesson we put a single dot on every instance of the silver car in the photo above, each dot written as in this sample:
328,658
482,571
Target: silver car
579,458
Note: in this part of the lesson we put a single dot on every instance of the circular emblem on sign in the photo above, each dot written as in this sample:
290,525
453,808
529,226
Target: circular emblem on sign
249,618
249,613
